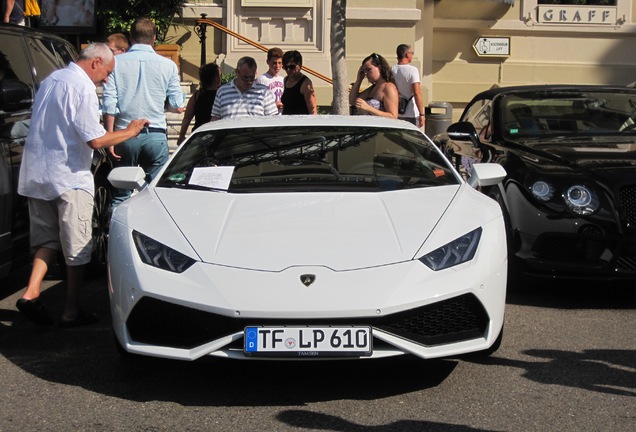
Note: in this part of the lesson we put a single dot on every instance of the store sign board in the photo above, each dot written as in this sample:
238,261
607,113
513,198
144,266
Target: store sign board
492,46
558,14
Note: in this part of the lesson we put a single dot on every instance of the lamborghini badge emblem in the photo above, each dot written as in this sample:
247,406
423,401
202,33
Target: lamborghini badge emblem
307,279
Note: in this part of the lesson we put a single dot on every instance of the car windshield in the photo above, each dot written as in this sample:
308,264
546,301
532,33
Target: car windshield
303,159
568,113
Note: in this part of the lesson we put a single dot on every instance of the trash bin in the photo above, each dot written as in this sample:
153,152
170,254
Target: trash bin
438,116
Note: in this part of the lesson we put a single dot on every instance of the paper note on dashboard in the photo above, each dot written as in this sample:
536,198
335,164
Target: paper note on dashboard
212,177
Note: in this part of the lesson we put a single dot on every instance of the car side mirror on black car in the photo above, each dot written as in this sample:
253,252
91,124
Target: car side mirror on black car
15,95
463,131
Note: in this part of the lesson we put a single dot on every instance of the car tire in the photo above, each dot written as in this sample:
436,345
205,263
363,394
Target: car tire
101,220
515,281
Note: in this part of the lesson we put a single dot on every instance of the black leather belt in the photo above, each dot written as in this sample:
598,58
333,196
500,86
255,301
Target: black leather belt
153,130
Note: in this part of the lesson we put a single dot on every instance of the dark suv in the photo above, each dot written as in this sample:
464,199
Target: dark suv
27,57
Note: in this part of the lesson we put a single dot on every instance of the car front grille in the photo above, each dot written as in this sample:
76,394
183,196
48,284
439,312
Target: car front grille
157,322
453,320
628,203
626,264
569,248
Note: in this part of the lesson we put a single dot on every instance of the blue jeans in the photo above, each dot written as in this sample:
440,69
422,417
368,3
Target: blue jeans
149,150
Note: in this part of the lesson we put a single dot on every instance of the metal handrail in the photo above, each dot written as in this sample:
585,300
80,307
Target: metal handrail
203,21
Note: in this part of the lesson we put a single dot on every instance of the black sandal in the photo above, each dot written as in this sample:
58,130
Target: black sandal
35,311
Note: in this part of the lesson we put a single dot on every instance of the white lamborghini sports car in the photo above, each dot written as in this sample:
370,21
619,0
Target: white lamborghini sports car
307,237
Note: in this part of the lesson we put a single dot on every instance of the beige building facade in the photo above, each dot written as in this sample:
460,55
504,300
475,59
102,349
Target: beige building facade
461,46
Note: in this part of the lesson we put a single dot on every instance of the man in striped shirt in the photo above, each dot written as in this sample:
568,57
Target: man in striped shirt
243,97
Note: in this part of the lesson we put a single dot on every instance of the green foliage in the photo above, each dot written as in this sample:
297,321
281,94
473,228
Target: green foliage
227,77
118,15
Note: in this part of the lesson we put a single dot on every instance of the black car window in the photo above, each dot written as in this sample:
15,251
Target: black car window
48,56
479,114
313,159
14,66
64,51
568,113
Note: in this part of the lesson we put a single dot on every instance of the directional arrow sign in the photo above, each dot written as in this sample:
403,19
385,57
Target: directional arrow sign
492,46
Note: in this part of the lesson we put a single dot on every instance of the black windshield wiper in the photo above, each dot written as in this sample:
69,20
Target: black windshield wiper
168,184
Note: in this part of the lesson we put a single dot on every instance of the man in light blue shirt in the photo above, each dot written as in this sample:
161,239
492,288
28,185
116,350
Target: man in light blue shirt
139,87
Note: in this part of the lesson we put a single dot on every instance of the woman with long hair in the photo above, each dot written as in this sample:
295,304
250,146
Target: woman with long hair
381,98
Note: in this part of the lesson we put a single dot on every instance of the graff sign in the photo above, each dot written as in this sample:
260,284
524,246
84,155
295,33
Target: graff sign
576,15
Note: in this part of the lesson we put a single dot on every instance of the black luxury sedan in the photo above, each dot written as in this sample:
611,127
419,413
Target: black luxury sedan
569,198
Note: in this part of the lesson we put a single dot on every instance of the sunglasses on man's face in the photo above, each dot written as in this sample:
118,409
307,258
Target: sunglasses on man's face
290,66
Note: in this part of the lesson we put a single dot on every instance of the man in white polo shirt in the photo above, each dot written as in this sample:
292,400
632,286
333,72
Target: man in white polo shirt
243,97
56,176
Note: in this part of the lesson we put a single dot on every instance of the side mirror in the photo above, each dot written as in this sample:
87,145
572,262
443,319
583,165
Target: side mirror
127,178
15,95
463,131
486,174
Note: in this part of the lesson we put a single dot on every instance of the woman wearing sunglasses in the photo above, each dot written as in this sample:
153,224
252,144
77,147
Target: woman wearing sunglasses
299,96
381,98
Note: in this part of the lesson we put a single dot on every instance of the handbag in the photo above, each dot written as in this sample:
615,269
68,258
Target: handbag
31,8
402,104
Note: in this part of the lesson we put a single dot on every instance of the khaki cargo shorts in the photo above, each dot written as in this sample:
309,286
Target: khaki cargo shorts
65,224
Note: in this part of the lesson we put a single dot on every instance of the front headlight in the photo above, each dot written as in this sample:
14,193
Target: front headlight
581,200
159,255
578,198
456,252
542,190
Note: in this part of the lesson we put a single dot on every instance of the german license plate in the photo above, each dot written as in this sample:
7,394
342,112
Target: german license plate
308,341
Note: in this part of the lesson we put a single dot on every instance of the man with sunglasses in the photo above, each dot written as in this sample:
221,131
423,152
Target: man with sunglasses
299,96
243,96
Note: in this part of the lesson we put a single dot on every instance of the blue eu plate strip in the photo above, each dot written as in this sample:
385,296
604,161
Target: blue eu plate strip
251,339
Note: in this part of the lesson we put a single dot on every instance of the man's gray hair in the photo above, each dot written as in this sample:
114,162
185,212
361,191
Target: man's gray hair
96,50
248,61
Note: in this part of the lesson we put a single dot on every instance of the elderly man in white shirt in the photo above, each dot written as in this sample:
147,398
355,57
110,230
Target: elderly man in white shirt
56,176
